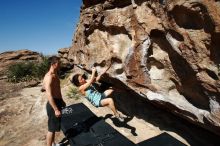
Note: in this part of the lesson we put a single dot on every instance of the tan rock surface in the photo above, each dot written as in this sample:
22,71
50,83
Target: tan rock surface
12,57
175,57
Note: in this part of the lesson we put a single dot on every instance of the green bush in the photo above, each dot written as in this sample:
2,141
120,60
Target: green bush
20,72
41,68
73,93
26,71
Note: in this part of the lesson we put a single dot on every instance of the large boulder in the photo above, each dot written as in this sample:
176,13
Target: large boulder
166,51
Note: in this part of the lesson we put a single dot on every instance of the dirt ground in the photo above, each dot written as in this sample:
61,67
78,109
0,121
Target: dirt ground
23,122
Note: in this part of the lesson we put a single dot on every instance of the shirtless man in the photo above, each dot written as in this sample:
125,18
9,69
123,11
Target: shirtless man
51,84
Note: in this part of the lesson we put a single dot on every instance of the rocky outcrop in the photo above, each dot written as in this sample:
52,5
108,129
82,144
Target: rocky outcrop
166,51
12,57
66,64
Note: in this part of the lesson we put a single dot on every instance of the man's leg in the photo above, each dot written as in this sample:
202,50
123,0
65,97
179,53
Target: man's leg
50,138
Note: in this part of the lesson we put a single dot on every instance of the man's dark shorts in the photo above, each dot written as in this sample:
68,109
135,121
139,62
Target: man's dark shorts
53,121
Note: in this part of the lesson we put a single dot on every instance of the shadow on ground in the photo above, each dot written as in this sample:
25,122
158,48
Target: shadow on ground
97,132
163,139
124,124
132,104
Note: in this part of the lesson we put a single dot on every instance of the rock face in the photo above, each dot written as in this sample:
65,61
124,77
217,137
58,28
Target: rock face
167,51
66,64
12,57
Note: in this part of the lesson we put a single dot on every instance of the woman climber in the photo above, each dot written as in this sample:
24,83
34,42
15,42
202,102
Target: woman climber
98,99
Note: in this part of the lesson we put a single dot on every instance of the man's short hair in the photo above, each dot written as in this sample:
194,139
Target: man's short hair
53,60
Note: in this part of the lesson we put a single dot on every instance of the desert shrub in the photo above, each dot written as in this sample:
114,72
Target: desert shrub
40,69
26,71
20,72
73,93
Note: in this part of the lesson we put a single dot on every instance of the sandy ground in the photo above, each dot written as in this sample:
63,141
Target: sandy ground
23,122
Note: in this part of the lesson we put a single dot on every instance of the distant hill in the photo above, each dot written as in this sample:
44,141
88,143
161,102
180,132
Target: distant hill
11,57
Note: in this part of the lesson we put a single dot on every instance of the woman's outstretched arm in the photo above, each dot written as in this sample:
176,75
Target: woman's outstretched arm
89,82
104,71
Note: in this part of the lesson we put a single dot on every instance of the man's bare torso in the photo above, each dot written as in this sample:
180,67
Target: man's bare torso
55,84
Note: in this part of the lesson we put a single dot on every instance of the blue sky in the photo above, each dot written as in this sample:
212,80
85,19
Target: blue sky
39,25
